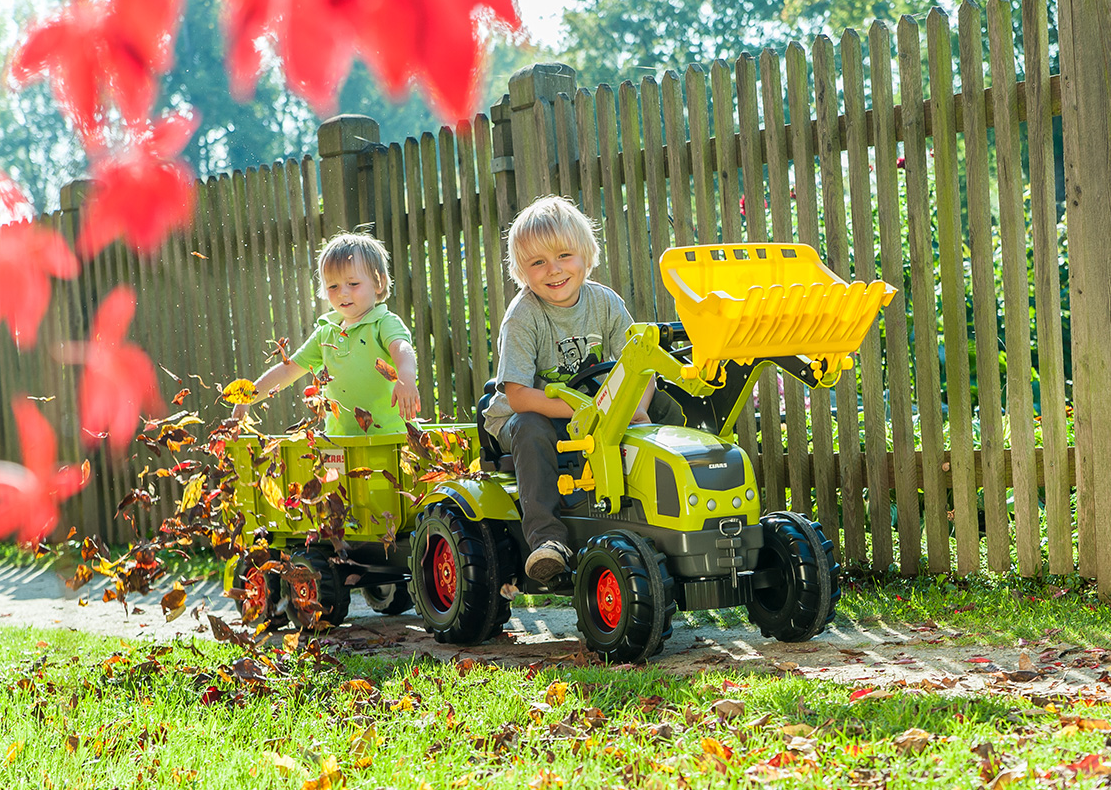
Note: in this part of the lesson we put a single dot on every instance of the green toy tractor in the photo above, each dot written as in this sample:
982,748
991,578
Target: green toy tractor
661,517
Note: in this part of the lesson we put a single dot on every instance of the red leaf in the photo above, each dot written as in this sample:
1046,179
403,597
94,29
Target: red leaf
29,256
119,381
141,194
244,23
91,51
29,494
15,206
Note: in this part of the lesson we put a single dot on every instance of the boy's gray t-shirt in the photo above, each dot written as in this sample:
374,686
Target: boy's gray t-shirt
541,343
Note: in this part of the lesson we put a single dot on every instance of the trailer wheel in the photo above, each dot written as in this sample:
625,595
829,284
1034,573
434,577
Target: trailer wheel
456,585
388,598
623,596
318,599
263,592
798,600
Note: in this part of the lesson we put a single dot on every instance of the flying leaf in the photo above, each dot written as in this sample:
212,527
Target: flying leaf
386,369
273,492
192,494
141,193
364,418
240,391
30,494
173,602
119,381
29,256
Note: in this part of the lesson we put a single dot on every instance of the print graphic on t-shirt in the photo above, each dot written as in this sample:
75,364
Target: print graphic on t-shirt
574,354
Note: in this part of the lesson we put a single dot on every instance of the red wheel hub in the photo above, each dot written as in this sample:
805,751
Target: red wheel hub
304,593
607,597
256,604
444,580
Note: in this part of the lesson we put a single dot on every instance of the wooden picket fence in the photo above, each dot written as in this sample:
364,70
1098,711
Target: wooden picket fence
877,186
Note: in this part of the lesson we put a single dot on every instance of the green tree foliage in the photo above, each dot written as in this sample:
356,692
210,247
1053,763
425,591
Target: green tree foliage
41,152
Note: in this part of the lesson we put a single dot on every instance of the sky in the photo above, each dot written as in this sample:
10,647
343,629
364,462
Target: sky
541,18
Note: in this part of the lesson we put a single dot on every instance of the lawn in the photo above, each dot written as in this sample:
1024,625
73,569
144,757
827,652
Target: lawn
79,711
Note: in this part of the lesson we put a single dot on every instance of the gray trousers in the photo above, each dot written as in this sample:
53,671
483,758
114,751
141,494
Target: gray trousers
531,440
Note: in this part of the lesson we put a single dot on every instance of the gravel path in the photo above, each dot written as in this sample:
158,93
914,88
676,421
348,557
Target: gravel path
915,655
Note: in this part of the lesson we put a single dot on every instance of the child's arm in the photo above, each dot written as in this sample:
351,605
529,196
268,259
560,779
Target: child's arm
522,399
641,414
405,395
278,377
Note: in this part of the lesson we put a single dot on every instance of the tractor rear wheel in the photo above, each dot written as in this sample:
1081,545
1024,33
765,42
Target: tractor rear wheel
457,576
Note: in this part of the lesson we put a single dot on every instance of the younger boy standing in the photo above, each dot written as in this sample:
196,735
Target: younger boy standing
350,339
558,324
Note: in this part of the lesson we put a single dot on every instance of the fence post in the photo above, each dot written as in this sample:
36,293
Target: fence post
340,141
534,148
1086,122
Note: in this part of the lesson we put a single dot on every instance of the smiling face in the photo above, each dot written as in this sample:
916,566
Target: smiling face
351,291
555,275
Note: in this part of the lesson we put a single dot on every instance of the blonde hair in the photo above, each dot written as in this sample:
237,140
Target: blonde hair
550,223
359,251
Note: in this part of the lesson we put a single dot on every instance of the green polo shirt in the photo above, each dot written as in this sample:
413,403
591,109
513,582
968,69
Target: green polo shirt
350,354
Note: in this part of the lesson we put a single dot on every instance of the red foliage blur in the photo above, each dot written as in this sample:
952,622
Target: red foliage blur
119,381
142,194
433,41
14,205
100,49
29,256
29,494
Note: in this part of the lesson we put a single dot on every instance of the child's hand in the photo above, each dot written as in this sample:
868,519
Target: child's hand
640,417
406,399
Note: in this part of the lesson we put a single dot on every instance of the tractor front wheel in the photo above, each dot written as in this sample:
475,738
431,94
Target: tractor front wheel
796,586
623,596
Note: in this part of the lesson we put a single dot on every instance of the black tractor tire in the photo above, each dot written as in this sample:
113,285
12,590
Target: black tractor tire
264,594
456,576
317,598
624,597
805,602
388,599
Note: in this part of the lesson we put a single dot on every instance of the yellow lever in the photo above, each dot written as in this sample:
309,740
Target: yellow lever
585,444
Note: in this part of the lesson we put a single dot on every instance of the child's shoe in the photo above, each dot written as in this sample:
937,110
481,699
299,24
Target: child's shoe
547,561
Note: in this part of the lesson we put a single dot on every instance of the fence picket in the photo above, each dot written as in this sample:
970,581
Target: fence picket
701,155
655,166
837,257
471,225
465,394
492,239
865,265
927,370
642,306
1016,288
678,160
434,297
421,325
1047,285
614,226
984,303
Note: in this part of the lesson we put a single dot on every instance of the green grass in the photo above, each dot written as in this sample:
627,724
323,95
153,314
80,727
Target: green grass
78,711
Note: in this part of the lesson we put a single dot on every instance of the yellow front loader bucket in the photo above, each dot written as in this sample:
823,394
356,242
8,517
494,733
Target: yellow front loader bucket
749,301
